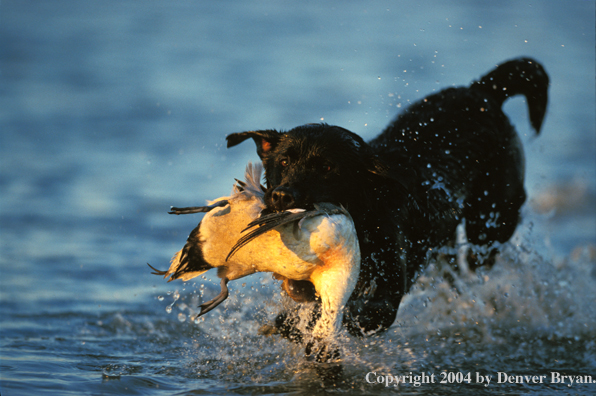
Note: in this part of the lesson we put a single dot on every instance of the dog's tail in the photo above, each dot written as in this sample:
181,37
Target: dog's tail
523,76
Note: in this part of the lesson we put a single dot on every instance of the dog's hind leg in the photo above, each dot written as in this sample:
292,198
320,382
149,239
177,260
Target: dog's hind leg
493,207
492,210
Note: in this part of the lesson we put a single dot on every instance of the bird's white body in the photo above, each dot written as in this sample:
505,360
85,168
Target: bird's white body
321,248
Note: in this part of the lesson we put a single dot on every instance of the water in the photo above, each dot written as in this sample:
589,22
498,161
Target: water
112,111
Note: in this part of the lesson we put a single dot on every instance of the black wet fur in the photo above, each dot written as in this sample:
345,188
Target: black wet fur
450,156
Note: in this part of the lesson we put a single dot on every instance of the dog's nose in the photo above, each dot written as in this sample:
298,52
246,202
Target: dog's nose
283,198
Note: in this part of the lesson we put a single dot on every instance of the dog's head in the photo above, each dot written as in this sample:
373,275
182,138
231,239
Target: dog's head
313,163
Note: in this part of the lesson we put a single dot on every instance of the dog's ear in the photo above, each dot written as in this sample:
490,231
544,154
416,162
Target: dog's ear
266,140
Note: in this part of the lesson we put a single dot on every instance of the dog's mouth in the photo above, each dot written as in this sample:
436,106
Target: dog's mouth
283,198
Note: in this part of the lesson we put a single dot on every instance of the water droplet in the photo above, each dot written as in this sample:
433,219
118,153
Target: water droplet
181,317
169,309
160,298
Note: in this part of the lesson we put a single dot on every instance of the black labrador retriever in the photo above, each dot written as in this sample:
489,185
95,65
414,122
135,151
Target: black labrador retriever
451,157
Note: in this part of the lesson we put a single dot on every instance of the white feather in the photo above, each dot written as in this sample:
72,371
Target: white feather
322,249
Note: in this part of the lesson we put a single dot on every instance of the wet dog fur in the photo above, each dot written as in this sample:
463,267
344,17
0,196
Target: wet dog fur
451,157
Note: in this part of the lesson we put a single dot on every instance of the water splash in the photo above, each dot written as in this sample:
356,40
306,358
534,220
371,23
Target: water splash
531,307
175,296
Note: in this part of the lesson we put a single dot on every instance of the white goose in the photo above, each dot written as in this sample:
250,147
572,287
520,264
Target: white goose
319,246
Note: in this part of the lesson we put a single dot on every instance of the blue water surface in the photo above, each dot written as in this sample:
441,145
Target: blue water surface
111,111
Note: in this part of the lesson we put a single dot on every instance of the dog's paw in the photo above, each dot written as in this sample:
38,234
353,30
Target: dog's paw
322,352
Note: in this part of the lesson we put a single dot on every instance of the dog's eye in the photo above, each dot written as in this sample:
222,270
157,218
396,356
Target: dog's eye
284,162
326,168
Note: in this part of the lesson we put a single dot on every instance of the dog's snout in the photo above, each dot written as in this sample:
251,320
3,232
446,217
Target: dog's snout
283,198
